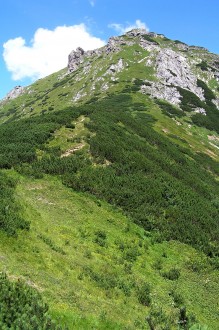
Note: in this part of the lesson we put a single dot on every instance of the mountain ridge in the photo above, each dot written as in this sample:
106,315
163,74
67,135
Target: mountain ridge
109,182
174,64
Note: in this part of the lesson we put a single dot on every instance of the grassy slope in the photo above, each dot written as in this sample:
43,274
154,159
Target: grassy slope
57,91
70,220
181,130
63,221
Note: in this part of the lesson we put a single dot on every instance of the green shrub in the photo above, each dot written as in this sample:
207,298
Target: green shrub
147,176
179,42
177,298
157,319
208,94
11,219
189,100
70,125
203,65
144,294
51,244
169,110
150,39
22,307
100,238
173,274
158,265
106,279
131,254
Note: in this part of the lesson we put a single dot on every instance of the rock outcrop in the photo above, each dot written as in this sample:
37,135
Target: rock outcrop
162,91
75,58
172,69
15,92
173,65
115,68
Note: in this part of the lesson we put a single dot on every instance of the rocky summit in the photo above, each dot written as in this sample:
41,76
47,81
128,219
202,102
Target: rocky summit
109,191
174,64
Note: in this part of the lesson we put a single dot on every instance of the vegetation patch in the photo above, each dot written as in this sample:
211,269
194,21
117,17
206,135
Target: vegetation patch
22,307
11,218
208,94
189,100
150,39
203,65
169,110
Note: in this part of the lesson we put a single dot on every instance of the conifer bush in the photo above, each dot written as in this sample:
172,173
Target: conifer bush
22,307
10,210
144,294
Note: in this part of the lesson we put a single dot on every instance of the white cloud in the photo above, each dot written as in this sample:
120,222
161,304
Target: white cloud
47,52
92,3
121,28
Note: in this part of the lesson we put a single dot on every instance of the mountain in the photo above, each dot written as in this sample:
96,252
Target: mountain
109,188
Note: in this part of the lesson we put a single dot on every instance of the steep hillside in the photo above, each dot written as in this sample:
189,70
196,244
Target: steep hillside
109,187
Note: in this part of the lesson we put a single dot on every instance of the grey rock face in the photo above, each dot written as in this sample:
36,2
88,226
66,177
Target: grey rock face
173,69
78,96
216,102
216,76
198,48
147,45
182,46
162,91
137,32
201,111
114,68
15,92
113,45
75,58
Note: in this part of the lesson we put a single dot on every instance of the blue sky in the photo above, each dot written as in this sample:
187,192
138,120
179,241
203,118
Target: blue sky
36,36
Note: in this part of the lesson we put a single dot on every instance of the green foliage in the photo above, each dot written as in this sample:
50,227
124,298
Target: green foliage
136,150
173,274
56,165
169,110
198,326
185,321
168,190
106,280
211,120
20,139
158,319
22,307
141,180
203,65
100,238
189,100
177,298
208,94
148,174
179,42
150,39
144,294
70,125
138,82
131,254
10,210
51,244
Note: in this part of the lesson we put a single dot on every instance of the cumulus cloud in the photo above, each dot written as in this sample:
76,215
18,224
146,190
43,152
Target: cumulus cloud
121,28
47,52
